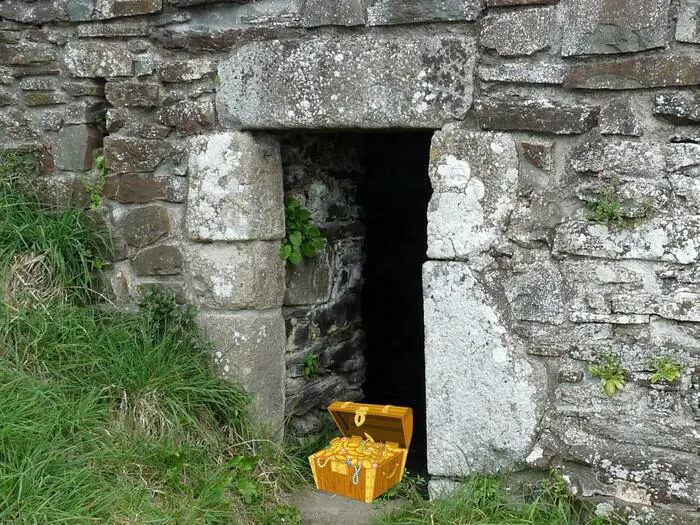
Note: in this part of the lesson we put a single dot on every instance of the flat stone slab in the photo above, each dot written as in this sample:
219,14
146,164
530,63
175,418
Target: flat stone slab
407,81
322,508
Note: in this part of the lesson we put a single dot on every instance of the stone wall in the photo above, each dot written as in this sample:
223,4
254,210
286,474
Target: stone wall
537,106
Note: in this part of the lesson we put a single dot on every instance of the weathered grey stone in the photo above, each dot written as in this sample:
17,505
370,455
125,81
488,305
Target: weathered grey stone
483,404
537,295
670,239
97,59
85,112
43,98
513,112
523,71
51,120
87,88
31,12
132,123
37,84
636,72
136,189
304,396
6,98
316,82
80,10
679,108
235,188
75,147
620,117
131,94
615,26
236,276
386,12
157,260
188,3
683,159
26,54
127,154
310,282
186,70
314,13
621,157
474,177
688,26
144,226
680,304
509,3
539,153
250,351
532,219
190,116
117,8
117,29
518,33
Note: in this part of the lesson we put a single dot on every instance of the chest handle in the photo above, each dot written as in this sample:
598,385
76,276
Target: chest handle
360,414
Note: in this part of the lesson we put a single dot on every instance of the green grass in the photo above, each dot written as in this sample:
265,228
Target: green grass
485,500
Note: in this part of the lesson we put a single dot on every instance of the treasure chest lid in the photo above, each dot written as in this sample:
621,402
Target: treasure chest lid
385,423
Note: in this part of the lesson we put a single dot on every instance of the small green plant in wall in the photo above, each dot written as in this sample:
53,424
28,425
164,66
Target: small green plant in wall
664,369
607,209
303,239
610,373
309,365
95,186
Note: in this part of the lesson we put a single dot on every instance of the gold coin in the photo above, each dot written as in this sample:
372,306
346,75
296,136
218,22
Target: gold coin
353,462
366,464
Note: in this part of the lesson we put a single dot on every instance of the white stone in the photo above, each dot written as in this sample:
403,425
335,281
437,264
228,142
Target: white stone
482,393
235,188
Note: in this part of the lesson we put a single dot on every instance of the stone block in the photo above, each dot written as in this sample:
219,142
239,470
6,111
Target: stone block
620,117
613,156
539,153
483,396
157,260
144,226
97,59
80,10
85,112
186,70
26,54
37,84
678,108
668,239
510,112
523,71
7,98
105,9
615,26
388,12
636,72
680,304
131,94
116,29
246,275
510,3
518,33
407,81
30,12
235,188
87,88
132,188
75,147
43,98
129,155
474,176
310,282
189,116
537,295
249,349
688,26
132,123
315,13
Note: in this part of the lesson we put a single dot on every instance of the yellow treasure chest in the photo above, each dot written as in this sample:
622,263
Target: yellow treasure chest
370,457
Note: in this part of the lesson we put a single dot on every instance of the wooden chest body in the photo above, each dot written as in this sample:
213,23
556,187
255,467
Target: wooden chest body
371,457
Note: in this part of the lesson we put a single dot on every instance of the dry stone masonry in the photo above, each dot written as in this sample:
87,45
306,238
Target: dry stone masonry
207,112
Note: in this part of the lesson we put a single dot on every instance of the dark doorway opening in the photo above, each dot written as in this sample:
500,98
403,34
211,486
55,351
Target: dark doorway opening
394,195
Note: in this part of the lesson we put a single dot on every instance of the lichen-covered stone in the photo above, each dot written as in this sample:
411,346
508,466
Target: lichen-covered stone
615,26
688,26
679,304
131,94
678,108
31,12
131,188
26,54
80,10
620,117
614,156
310,282
537,295
670,239
315,13
523,71
518,33
88,111
131,123
128,154
97,59
474,177
386,12
316,82
539,153
247,275
118,8
186,70
482,404
75,147
43,98
117,29
144,226
249,349
190,116
636,72
509,3
512,112
235,188
157,260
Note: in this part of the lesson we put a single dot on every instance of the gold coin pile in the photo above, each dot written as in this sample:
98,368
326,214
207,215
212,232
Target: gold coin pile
359,451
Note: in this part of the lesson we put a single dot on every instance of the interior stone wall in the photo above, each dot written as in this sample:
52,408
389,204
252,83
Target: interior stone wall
537,104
